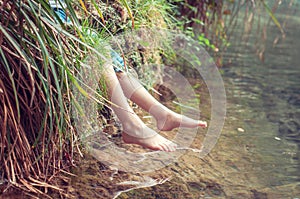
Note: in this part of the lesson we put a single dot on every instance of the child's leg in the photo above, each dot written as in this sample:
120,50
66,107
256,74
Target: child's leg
165,118
135,131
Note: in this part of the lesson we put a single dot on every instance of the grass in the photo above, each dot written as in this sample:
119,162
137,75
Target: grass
39,57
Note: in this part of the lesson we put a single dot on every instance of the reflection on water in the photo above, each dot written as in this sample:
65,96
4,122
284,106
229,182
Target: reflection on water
268,95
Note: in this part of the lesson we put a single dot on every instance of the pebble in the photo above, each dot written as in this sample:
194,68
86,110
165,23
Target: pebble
241,130
277,138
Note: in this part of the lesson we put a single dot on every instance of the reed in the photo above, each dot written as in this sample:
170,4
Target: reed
212,23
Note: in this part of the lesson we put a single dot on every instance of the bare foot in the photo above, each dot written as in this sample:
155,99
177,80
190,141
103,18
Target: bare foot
173,120
155,142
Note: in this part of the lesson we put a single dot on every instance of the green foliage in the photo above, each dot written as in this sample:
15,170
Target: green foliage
193,18
125,3
205,42
152,13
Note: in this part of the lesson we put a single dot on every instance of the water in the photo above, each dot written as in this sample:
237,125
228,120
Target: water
265,97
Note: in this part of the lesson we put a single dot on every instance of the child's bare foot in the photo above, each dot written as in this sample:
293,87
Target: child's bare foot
172,120
154,142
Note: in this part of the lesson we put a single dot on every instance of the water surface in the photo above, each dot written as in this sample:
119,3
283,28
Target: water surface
265,93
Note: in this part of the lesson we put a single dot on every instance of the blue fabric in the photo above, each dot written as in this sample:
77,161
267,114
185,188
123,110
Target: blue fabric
116,58
62,15
118,61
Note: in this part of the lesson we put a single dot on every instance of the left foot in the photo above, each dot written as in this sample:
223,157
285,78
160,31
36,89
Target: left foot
136,132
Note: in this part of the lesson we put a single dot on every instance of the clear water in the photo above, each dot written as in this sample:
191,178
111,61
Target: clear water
265,96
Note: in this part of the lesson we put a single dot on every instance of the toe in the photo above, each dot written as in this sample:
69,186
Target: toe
156,148
164,147
203,124
168,146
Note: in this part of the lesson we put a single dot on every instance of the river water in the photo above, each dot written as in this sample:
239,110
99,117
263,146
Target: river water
264,88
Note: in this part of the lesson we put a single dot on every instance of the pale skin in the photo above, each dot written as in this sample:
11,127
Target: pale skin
120,87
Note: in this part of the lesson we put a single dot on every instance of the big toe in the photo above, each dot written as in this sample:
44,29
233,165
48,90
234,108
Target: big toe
203,124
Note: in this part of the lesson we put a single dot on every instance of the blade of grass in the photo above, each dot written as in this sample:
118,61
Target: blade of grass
125,4
83,6
98,11
14,43
271,14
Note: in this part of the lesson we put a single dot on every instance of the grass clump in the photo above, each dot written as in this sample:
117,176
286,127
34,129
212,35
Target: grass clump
39,57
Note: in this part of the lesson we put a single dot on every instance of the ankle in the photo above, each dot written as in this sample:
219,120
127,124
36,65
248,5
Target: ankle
160,112
132,126
138,130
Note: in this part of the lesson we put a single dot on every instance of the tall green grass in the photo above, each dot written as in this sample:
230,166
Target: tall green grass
39,58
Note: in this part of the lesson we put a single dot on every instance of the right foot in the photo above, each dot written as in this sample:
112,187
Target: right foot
173,120
155,142
167,120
